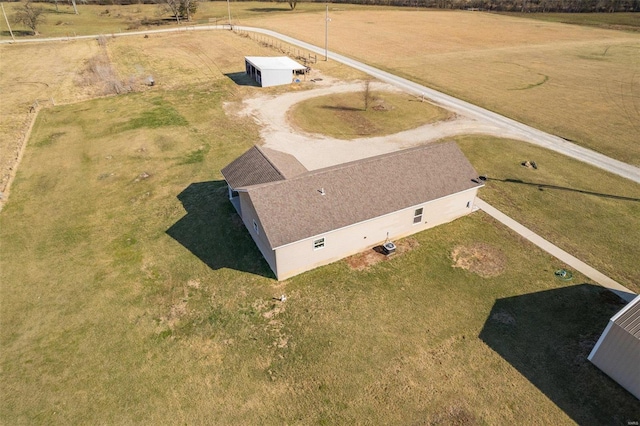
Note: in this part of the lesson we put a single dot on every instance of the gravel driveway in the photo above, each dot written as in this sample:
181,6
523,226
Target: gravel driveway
317,151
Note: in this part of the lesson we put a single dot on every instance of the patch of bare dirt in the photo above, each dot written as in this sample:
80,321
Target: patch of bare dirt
364,260
480,258
454,415
177,311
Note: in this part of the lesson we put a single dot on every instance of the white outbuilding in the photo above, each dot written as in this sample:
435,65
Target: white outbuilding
272,70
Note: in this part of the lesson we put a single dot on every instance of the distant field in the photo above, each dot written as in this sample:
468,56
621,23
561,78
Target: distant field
615,21
579,83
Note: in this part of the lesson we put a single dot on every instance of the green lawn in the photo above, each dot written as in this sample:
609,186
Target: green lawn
345,115
591,214
131,293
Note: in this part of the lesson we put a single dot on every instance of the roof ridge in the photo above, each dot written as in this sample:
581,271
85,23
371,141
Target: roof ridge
266,157
351,163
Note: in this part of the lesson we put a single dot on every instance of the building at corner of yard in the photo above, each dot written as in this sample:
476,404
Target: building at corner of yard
272,70
617,352
302,219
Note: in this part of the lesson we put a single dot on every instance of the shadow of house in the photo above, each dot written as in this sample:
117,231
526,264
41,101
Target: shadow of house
547,337
213,231
242,79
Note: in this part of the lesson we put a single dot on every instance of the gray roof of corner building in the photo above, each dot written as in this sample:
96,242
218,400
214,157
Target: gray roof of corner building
294,209
261,165
629,318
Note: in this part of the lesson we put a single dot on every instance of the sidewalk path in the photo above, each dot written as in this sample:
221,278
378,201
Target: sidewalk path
557,252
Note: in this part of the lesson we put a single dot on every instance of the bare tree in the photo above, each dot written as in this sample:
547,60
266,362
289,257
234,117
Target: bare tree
188,8
29,16
75,8
180,9
172,7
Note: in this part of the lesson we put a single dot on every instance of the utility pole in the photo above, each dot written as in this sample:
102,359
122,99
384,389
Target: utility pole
326,34
229,10
5,18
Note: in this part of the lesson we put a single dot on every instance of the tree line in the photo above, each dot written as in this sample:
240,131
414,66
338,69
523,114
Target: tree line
183,9
526,6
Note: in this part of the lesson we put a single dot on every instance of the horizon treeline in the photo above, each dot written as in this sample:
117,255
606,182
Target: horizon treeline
523,6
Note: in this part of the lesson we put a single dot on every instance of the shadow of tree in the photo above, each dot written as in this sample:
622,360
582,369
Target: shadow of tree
17,33
341,108
269,9
547,337
213,231
242,79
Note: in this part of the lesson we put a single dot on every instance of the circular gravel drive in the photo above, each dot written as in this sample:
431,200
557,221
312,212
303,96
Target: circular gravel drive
316,151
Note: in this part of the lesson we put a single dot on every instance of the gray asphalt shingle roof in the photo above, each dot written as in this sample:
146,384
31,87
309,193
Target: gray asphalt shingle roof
294,209
261,165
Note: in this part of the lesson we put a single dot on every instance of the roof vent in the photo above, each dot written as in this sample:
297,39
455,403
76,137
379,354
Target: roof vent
321,191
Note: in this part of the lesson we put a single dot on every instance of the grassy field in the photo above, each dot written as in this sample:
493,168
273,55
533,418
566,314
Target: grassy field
576,82
507,64
589,213
344,116
132,295
617,21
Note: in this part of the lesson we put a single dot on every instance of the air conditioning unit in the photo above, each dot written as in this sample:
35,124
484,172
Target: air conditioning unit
389,248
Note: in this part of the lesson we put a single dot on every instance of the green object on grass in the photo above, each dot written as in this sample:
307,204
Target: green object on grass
564,275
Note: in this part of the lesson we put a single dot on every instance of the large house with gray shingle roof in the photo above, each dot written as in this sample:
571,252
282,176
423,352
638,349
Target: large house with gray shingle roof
302,219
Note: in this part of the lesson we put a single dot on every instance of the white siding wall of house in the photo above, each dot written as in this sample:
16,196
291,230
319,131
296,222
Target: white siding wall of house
301,256
248,217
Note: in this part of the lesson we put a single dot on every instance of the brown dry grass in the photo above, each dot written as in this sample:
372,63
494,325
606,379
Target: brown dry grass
74,71
576,82
480,258
22,82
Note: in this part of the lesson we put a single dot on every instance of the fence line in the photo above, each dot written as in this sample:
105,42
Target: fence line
277,45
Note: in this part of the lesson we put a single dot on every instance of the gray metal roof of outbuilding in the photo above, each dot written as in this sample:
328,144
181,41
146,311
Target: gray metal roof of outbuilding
629,318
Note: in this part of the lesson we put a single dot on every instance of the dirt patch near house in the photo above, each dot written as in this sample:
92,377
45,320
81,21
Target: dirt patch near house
364,260
479,258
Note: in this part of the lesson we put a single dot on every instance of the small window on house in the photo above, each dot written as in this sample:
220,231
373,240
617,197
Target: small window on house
417,216
468,204
255,227
318,244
